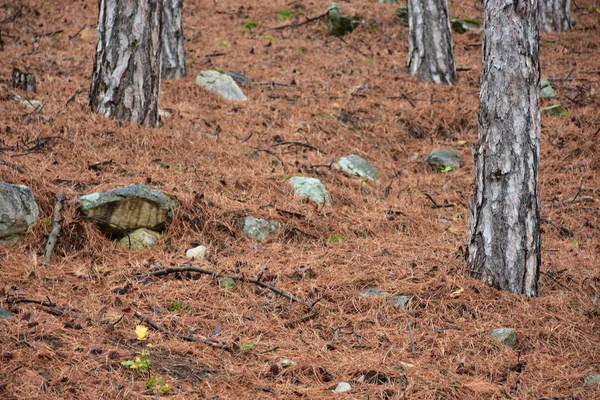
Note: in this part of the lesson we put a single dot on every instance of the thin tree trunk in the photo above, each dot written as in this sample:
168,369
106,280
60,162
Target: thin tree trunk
554,15
430,50
173,54
126,79
504,236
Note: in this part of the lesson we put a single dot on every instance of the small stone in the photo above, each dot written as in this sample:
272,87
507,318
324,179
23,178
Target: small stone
508,336
32,104
311,188
164,113
221,84
592,379
443,158
373,291
285,363
226,283
546,89
197,253
343,387
259,229
357,166
400,302
4,313
139,239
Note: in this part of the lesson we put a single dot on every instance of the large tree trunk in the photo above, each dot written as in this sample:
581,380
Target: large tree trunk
173,55
430,52
504,236
554,15
126,79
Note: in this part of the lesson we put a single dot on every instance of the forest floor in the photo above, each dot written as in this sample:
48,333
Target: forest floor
404,233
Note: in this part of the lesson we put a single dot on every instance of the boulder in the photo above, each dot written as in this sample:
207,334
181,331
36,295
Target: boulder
311,188
18,209
128,208
357,166
443,158
140,239
222,84
259,229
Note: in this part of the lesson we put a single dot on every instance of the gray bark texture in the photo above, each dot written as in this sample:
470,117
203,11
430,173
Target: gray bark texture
503,224
430,48
126,79
554,15
173,54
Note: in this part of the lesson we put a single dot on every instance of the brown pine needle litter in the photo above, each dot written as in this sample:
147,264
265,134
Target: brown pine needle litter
75,319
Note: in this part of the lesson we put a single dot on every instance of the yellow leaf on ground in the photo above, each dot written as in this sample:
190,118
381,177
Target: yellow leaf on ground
142,332
456,293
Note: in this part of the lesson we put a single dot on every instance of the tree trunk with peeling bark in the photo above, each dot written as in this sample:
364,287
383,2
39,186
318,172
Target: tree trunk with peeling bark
504,220
173,54
554,15
430,49
126,80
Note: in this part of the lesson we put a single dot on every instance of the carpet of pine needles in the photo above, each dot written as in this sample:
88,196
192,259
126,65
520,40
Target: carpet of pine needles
404,233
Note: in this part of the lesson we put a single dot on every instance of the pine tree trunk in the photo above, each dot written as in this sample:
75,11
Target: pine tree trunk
554,15
430,52
173,55
126,79
504,236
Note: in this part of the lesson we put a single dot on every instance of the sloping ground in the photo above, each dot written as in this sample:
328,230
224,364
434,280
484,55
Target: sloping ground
223,161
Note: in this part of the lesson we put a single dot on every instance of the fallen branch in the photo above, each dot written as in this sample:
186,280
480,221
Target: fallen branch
435,204
187,338
296,24
46,305
214,274
53,237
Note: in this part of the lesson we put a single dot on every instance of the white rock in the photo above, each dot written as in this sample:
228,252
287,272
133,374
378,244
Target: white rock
221,84
197,253
342,387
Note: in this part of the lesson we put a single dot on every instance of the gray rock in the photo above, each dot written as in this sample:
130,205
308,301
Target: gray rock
221,84
259,229
592,379
338,24
400,302
357,166
546,89
442,158
311,188
197,253
342,387
140,239
18,209
239,78
373,291
4,313
508,336
128,208
10,240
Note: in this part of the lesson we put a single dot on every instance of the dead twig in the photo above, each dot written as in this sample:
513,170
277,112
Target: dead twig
301,144
296,24
187,338
11,165
71,37
53,237
46,305
214,274
411,338
555,280
292,323
435,204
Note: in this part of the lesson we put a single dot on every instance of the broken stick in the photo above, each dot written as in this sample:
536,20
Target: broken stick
53,237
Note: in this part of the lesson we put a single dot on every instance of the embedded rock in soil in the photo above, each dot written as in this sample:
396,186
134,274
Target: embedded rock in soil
18,209
400,302
139,239
343,387
442,158
4,313
128,208
221,84
508,336
546,89
259,229
338,24
357,166
311,188
197,253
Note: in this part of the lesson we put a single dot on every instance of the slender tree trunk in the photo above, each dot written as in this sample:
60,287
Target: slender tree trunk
173,54
554,15
504,235
126,79
430,52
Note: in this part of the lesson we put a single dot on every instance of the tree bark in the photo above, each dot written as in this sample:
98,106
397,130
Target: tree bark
173,54
554,15
430,50
504,235
126,80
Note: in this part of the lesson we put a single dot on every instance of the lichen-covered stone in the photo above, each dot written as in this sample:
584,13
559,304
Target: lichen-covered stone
357,166
259,229
222,84
311,188
139,239
443,158
508,336
18,209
